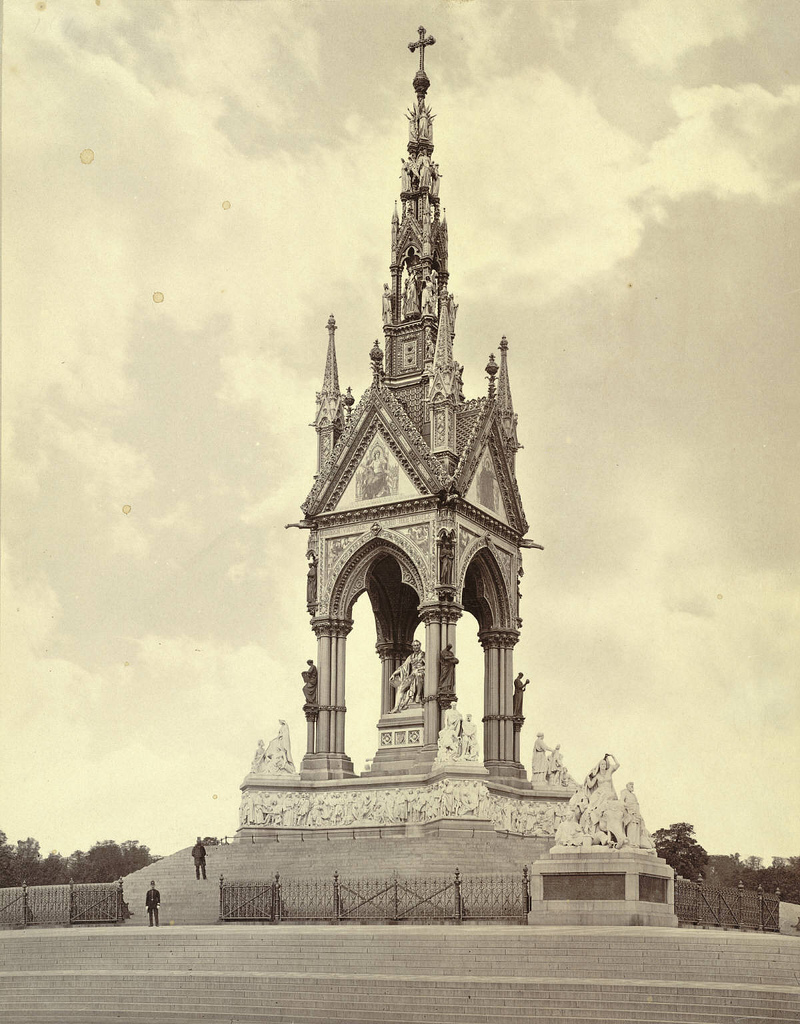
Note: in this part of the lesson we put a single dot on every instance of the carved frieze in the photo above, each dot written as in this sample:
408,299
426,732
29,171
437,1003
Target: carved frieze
447,798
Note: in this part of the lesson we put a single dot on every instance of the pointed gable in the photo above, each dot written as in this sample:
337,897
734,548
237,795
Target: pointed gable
484,475
381,457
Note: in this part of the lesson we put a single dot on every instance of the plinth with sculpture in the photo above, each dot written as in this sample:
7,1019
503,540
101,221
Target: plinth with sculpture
603,868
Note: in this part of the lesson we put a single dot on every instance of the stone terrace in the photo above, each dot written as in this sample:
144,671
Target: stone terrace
403,974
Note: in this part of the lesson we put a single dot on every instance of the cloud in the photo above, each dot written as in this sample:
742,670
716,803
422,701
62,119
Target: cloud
659,32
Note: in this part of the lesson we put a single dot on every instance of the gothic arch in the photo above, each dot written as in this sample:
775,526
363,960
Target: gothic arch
352,578
484,592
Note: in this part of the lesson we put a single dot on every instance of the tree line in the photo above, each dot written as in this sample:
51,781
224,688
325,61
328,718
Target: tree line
106,861
679,848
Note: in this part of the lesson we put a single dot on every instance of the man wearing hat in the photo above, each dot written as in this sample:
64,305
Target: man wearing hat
152,901
199,857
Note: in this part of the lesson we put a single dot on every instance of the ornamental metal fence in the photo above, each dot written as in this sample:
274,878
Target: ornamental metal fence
90,903
339,900
715,907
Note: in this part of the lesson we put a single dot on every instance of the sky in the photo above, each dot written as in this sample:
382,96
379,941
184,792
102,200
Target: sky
192,188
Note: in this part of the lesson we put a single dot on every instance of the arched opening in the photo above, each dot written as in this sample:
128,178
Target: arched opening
485,596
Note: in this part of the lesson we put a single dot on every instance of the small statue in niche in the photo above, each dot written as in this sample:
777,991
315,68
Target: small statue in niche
386,305
310,678
447,554
435,179
410,297
311,580
430,349
447,672
519,690
435,290
427,296
452,309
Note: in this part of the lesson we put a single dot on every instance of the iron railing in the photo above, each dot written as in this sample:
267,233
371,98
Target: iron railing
395,899
92,903
712,906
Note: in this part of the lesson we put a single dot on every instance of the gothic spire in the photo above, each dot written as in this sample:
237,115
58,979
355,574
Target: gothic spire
330,419
505,404
330,382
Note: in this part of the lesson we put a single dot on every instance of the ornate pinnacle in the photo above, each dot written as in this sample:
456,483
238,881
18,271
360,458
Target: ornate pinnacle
503,385
376,358
349,402
330,383
491,370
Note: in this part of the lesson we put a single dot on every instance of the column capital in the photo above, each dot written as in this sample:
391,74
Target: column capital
501,638
440,612
331,627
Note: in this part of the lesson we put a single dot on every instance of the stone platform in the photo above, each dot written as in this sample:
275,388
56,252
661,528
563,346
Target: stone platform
396,975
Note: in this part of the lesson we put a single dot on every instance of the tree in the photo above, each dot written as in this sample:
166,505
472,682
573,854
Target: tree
680,849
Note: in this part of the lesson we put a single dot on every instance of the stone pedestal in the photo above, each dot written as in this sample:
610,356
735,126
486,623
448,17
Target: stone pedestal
400,744
601,886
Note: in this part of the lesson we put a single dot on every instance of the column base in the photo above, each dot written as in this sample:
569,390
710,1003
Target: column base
510,772
326,766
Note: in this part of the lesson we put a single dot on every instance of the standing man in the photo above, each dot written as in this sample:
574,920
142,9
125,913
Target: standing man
199,857
152,901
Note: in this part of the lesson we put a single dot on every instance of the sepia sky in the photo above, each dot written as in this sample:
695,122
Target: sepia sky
622,186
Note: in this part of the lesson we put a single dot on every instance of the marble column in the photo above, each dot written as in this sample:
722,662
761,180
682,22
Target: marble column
500,752
329,759
440,629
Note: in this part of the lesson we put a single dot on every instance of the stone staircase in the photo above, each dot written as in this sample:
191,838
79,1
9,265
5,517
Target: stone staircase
436,974
184,900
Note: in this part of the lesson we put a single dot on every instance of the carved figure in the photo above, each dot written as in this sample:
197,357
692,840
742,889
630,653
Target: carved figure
555,767
435,180
633,823
435,290
447,555
430,349
410,297
278,755
386,305
427,296
519,690
424,123
469,739
447,672
452,309
310,677
405,176
539,763
450,736
311,580
258,759
570,833
409,679
425,171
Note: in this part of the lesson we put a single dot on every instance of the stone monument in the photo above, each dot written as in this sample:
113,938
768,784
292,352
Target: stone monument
415,503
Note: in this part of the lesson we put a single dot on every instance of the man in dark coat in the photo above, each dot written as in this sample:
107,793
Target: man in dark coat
152,901
199,857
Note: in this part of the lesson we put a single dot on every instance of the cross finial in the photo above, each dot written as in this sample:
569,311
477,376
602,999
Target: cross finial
420,45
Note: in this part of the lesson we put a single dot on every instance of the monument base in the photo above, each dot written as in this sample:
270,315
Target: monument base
601,886
327,766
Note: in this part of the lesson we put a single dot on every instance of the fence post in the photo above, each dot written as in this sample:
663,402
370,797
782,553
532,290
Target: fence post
24,904
697,899
337,904
277,908
120,916
221,917
740,888
71,900
761,908
526,889
394,916
459,902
